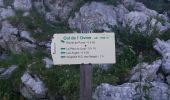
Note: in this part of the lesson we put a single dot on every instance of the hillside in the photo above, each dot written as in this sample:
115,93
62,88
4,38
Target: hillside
142,29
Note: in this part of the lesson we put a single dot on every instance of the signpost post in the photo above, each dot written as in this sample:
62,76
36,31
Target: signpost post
84,49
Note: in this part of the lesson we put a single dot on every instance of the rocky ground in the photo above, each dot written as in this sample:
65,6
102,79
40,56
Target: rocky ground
142,28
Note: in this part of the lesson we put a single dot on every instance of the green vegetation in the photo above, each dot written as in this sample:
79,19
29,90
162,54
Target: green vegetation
158,5
62,80
9,88
38,26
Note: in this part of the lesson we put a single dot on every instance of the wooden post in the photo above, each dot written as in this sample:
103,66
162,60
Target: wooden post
86,71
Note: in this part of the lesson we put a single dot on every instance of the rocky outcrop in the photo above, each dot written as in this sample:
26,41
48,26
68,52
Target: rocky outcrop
131,14
163,47
147,81
27,36
10,39
133,91
1,3
23,5
6,12
55,10
145,72
94,16
168,79
48,62
60,8
32,87
5,73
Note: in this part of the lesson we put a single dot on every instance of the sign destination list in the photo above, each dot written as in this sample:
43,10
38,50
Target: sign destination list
73,48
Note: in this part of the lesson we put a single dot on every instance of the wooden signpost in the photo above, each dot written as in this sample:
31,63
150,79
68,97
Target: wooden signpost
85,50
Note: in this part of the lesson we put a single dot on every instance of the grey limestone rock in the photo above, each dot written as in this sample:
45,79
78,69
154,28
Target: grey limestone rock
32,87
132,91
145,72
163,47
5,73
24,5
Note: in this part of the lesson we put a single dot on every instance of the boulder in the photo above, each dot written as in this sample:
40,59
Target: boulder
128,3
10,39
23,5
50,17
121,11
145,72
61,8
39,6
27,35
100,16
48,62
1,2
6,12
94,16
168,79
5,73
133,91
163,47
136,20
140,7
32,87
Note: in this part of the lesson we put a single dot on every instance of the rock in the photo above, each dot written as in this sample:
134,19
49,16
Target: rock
145,23
145,72
134,15
128,3
26,35
121,11
10,39
163,47
50,17
168,79
32,87
160,78
5,13
39,6
47,44
132,91
94,16
61,8
6,73
25,14
141,12
48,62
24,5
136,20
140,7
1,2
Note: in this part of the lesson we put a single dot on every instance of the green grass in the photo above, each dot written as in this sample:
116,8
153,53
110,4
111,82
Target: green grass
64,80
158,5
35,23
9,89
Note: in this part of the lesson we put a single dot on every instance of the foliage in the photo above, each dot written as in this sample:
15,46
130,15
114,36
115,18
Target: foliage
158,5
9,88
40,28
64,80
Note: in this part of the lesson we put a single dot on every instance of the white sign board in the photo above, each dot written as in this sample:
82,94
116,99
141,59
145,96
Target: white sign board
74,48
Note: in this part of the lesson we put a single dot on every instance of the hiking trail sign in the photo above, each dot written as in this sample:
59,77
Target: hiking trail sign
76,48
